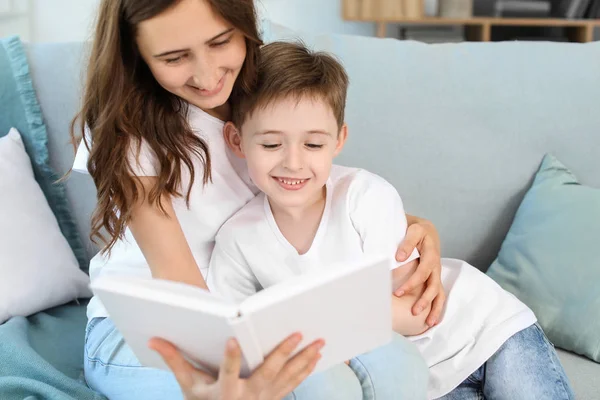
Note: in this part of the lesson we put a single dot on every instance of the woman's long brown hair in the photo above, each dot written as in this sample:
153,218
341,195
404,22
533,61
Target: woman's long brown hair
123,106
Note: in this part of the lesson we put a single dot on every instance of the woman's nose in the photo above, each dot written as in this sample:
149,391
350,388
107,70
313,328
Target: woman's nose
206,75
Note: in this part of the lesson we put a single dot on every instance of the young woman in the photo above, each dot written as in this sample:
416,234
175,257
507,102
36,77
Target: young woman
159,79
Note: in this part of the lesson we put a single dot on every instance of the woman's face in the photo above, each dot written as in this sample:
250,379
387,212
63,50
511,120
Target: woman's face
193,53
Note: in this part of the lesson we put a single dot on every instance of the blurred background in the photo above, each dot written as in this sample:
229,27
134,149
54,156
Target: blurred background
431,21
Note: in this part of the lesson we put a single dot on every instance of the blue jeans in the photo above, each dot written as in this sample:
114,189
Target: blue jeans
526,367
394,371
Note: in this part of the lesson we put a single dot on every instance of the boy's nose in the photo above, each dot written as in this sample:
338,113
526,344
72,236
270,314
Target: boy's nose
293,160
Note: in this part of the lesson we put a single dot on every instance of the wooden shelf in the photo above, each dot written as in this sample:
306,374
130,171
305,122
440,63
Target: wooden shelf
486,20
479,28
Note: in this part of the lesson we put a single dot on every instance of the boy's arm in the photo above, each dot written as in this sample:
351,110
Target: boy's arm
228,274
377,213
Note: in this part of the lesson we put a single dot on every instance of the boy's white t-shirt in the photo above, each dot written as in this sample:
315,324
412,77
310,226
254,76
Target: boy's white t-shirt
210,205
364,215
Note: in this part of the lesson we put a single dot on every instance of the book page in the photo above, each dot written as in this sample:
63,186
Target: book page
349,306
196,321
253,356
167,292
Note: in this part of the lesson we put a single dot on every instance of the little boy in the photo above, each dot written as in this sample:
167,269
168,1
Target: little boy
313,214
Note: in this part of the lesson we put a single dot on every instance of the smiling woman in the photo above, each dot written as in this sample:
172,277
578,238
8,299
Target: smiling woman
200,67
167,55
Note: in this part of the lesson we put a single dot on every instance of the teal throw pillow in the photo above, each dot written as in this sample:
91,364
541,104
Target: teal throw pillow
550,258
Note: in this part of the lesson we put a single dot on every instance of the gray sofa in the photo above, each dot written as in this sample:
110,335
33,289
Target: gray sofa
459,130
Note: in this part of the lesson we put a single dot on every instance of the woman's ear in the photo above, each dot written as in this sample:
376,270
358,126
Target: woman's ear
233,139
341,139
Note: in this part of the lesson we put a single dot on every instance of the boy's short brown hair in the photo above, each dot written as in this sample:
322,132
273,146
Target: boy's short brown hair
291,70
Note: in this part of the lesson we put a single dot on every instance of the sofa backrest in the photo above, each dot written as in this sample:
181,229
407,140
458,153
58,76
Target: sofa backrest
58,74
459,129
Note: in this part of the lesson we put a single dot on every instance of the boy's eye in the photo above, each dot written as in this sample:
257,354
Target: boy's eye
270,146
314,146
222,43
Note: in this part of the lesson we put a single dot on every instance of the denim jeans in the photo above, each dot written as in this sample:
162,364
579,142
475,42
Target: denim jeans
394,371
526,367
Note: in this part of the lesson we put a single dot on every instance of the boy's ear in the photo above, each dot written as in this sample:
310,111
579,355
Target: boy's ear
233,139
341,139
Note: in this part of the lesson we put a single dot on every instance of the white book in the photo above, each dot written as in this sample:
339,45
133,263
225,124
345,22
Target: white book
349,306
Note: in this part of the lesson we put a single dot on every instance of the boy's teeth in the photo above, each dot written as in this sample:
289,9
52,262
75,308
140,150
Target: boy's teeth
291,182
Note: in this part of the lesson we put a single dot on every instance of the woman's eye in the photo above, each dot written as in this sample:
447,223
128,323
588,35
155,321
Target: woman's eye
314,146
220,44
174,60
270,146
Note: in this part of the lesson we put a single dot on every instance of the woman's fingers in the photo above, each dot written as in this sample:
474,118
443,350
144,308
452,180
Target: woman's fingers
184,372
414,235
429,264
436,308
229,373
433,289
418,277
297,369
275,361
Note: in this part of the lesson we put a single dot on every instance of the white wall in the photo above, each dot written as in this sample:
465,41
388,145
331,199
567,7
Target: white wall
62,20
15,18
312,16
72,20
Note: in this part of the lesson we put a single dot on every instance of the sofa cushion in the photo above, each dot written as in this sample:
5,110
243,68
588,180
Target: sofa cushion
550,258
20,109
37,267
582,373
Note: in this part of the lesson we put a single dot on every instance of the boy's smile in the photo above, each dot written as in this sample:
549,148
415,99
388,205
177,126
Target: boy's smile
291,183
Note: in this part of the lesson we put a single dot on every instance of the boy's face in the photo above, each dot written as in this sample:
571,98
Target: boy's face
289,147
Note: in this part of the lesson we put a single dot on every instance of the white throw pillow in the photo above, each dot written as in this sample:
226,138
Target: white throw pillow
38,269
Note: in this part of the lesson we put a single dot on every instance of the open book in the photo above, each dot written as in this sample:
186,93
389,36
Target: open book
348,306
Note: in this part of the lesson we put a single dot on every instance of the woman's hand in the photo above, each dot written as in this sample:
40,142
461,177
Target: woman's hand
423,236
274,379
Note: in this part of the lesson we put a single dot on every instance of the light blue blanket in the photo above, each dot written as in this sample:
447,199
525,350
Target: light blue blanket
41,357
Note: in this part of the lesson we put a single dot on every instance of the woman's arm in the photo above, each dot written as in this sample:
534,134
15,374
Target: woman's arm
423,236
161,239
